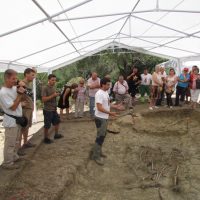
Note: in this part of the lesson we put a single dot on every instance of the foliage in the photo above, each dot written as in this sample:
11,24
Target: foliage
119,62
107,62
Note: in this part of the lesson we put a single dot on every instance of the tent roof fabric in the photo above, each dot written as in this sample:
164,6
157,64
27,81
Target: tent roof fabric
51,34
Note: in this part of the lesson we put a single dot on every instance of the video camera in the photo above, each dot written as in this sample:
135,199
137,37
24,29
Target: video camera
27,90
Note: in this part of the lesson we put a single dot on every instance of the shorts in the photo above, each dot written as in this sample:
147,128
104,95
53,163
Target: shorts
28,113
50,117
195,95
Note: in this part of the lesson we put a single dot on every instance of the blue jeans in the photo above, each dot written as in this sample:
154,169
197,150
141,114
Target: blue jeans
92,102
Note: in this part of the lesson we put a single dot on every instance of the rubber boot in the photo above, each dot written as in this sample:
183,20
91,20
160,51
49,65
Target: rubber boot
96,154
102,154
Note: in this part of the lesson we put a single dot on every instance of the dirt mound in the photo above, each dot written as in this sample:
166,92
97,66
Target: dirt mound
165,123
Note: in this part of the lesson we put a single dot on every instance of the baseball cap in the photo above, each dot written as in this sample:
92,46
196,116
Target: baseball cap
186,69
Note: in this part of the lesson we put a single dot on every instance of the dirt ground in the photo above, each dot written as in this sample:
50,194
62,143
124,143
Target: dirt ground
154,157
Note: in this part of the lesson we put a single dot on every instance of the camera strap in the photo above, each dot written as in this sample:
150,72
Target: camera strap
13,116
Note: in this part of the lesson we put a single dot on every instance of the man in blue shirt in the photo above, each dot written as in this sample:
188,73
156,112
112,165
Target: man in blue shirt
183,81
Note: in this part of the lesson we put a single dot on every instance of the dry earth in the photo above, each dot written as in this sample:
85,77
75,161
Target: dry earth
154,157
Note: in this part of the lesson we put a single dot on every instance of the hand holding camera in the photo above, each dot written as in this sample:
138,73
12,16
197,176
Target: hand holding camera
56,94
22,89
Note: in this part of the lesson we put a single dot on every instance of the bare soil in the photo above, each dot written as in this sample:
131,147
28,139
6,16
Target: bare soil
154,157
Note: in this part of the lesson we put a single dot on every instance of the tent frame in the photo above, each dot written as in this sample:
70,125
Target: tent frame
125,15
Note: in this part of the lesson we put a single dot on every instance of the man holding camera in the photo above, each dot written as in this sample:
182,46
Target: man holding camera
10,100
51,116
27,108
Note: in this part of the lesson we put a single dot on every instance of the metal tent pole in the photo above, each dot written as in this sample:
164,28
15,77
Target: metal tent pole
126,20
104,15
34,102
163,26
60,30
88,32
44,19
75,51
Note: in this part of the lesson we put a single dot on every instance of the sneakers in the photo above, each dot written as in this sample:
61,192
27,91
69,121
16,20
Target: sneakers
10,167
58,136
156,107
150,108
47,141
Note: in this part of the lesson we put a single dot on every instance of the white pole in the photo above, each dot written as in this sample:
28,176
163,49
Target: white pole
34,102
179,64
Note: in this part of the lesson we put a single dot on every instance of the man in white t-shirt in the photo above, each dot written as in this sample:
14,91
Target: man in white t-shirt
10,101
145,84
120,90
94,85
102,113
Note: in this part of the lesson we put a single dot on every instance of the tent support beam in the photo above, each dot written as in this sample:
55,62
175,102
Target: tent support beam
34,53
100,16
157,44
44,19
190,58
166,27
126,20
140,50
124,37
125,13
75,51
60,30
164,45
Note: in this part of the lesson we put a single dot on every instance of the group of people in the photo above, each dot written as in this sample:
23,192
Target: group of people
187,84
16,100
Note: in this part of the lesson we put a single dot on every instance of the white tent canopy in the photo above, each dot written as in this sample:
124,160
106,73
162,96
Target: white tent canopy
49,34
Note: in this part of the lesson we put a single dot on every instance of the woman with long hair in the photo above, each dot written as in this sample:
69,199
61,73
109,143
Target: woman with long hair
170,83
63,102
157,86
195,87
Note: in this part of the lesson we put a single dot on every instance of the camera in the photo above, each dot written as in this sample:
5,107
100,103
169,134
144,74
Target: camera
27,90
59,91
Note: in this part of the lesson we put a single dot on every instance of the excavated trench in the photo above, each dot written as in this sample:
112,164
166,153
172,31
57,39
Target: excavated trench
155,156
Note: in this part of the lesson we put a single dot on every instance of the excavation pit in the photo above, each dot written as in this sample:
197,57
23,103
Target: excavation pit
142,163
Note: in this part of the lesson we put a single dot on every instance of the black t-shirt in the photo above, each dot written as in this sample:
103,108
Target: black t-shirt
133,81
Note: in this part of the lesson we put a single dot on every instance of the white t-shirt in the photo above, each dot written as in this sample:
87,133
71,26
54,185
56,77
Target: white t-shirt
90,82
163,75
102,97
7,98
120,88
146,79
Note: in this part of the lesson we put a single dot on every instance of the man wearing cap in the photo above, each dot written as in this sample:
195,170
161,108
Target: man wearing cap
183,81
